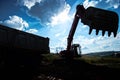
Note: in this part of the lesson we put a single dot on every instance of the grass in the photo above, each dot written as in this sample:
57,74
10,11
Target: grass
56,68
112,62
49,58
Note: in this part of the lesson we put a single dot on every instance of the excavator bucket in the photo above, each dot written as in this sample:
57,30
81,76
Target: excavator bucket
100,19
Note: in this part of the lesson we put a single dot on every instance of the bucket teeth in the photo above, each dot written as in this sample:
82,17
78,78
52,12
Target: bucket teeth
97,31
109,33
115,33
103,33
90,30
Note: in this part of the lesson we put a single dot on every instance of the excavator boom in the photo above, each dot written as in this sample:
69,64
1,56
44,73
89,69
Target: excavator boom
72,32
74,25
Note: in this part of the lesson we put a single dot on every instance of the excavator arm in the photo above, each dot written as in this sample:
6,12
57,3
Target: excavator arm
74,26
95,18
72,31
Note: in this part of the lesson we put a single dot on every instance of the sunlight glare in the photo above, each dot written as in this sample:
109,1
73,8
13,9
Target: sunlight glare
61,17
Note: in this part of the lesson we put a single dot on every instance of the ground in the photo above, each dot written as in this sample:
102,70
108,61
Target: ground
56,68
61,69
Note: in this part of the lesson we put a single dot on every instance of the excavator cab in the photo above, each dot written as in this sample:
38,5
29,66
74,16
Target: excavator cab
76,50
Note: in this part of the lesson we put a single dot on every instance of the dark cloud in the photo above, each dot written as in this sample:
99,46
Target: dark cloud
46,9
8,8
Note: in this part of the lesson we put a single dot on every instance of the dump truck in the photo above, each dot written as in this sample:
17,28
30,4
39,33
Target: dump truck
20,53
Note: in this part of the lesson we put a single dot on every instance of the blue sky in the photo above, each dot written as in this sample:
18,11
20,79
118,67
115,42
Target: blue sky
53,19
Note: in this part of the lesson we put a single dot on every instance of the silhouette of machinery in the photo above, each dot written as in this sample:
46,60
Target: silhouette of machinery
95,18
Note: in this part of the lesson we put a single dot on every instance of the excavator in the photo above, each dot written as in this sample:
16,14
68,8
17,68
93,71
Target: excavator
95,18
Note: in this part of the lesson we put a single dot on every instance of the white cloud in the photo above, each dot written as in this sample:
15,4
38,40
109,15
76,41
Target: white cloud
98,43
102,3
57,35
113,3
88,3
28,3
84,26
59,42
61,18
32,31
16,22
118,36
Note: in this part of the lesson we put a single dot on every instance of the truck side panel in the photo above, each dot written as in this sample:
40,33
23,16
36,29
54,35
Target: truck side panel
20,53
18,39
